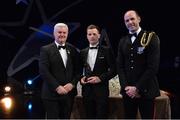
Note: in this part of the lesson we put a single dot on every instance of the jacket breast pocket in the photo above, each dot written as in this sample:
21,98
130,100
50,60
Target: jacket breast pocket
101,57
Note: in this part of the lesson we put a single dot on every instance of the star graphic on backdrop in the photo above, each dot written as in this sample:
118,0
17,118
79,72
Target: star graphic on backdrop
4,33
22,1
26,15
22,59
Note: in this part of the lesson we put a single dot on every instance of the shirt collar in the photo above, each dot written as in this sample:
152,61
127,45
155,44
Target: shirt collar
57,44
137,32
94,45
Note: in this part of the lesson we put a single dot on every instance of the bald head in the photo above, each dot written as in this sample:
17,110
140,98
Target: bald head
131,12
132,20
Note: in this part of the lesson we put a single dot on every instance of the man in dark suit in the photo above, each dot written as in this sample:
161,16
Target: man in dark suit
137,65
98,68
59,69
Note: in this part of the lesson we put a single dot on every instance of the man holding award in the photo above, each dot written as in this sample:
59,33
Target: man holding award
98,68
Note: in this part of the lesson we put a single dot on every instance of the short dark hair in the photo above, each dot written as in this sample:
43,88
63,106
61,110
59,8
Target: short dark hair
93,27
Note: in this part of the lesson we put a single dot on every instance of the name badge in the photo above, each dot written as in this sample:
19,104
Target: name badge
140,50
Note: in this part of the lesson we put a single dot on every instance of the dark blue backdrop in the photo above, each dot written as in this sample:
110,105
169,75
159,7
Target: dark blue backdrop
26,25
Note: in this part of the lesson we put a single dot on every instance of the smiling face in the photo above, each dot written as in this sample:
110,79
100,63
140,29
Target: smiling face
132,20
61,33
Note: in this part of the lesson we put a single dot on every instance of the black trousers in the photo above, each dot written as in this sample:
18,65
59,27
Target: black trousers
96,107
60,108
145,106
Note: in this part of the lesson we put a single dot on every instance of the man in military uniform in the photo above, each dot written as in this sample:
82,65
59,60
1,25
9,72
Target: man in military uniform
137,65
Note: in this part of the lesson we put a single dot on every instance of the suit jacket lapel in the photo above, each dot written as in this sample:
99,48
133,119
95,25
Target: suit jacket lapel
68,62
97,57
86,55
138,39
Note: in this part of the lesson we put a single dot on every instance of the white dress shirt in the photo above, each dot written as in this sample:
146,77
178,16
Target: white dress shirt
133,37
63,53
92,54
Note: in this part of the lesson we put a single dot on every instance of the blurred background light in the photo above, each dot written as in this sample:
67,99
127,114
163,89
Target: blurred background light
29,106
29,82
6,103
7,88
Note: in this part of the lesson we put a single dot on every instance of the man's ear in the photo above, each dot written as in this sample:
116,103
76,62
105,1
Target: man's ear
99,35
139,18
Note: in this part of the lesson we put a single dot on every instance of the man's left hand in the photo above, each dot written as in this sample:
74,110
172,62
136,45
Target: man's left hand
68,87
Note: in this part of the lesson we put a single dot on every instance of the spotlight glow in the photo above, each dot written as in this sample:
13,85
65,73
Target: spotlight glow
29,82
30,106
7,89
7,103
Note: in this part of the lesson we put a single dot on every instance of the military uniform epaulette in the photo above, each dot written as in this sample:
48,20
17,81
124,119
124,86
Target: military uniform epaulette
146,37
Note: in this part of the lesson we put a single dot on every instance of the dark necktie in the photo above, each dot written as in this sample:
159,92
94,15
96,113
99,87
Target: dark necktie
134,34
63,47
93,47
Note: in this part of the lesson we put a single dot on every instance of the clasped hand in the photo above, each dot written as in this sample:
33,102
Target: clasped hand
62,90
132,92
92,80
